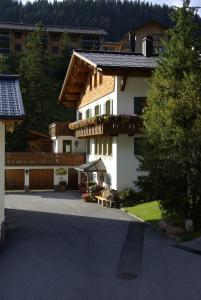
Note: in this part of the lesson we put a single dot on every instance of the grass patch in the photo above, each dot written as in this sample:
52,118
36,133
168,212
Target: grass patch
148,211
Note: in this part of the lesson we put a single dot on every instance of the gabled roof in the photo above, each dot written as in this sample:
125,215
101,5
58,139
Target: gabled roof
92,166
150,22
57,29
116,60
11,106
84,63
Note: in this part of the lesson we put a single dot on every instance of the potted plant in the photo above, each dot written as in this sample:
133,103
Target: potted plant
62,186
86,197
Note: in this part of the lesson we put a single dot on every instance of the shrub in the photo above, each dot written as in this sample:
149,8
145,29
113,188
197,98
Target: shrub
127,196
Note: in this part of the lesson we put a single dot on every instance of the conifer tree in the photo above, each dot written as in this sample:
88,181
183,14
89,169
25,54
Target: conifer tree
172,119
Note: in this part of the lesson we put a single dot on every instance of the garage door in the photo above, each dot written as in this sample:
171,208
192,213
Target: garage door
14,179
72,179
40,179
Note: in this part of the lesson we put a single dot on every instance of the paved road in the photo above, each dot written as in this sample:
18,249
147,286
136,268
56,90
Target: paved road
59,248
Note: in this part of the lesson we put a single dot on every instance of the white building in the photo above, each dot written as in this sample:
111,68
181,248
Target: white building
108,91
11,111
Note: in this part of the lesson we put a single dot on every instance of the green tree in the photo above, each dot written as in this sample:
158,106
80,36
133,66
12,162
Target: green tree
4,64
40,92
172,119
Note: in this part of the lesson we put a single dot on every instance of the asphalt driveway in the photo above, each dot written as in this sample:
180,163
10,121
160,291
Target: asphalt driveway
60,248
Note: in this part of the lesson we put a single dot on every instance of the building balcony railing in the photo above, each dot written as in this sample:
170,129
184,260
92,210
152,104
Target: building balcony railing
107,125
59,129
44,159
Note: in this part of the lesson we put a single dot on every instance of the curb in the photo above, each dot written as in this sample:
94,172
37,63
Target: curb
139,219
150,225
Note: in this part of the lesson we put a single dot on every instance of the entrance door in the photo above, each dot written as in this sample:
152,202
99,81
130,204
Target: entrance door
14,179
41,179
72,179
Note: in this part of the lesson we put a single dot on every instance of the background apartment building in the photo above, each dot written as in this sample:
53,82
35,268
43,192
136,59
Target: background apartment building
13,38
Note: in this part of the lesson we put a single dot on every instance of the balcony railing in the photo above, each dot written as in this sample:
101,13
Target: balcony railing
44,159
107,126
59,129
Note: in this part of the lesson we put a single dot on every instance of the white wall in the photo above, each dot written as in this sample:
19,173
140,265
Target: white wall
2,171
110,161
135,87
59,144
127,163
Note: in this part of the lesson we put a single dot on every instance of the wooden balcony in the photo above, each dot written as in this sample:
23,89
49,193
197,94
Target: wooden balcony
113,126
44,159
59,129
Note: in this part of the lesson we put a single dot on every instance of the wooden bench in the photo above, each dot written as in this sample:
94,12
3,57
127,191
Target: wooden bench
103,201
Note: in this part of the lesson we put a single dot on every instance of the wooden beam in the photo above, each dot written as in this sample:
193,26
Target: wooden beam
123,83
127,72
78,78
70,104
74,88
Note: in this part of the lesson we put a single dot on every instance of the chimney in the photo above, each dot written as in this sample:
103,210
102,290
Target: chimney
147,46
131,42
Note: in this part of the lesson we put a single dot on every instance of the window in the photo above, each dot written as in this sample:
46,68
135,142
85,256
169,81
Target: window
88,146
139,103
18,35
138,145
104,146
18,48
100,78
55,50
97,110
88,114
5,42
96,146
79,116
74,38
55,37
67,146
95,80
100,146
108,107
109,145
157,37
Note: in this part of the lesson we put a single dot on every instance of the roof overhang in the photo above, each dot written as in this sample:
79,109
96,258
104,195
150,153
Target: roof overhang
80,67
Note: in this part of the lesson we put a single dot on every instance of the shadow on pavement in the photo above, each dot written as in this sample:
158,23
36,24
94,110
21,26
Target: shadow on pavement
56,257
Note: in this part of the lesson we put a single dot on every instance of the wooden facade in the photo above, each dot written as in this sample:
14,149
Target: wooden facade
14,36
110,128
59,129
44,159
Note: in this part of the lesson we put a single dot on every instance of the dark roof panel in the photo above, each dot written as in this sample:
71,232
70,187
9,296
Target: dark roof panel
118,59
11,106
48,28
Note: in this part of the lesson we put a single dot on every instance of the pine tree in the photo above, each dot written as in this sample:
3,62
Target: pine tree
4,64
172,119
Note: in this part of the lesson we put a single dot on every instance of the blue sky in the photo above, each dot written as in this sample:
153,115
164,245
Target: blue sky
168,2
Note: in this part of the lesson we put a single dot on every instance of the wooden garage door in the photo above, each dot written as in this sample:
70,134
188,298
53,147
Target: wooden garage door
72,179
40,179
14,179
